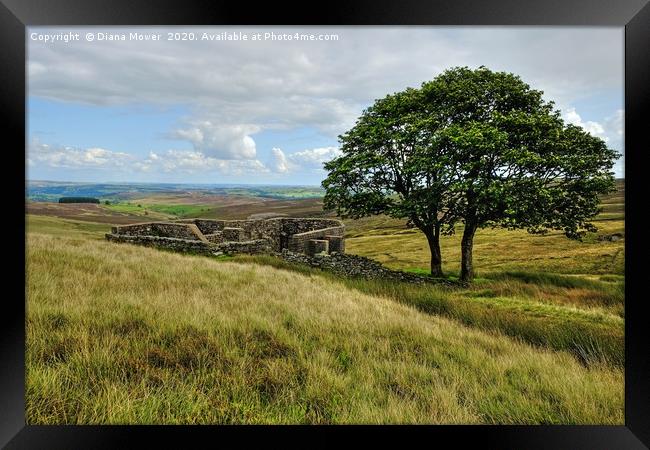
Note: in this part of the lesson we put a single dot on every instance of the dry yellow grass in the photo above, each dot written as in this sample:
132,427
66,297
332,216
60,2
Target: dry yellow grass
496,250
125,334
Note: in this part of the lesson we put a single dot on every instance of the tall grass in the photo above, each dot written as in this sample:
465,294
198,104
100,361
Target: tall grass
388,241
593,335
124,334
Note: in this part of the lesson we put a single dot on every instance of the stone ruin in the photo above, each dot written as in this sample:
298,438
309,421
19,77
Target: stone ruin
307,236
318,243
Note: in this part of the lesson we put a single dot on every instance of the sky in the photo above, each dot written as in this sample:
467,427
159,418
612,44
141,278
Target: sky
256,105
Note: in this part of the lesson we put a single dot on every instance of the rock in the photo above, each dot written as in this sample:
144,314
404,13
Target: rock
355,266
611,237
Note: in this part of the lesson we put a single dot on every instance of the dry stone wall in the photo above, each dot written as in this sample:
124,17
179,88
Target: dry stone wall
355,266
259,246
300,242
255,247
237,236
215,238
163,229
175,244
336,243
316,246
234,234
315,242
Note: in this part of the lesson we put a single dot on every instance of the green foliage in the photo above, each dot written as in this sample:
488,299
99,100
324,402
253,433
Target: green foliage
471,146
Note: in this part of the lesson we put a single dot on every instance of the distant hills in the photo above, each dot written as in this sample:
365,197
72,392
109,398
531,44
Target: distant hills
51,191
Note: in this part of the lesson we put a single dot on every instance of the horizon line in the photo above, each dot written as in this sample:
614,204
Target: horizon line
171,183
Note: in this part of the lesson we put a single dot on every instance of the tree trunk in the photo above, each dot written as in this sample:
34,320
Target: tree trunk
433,237
466,247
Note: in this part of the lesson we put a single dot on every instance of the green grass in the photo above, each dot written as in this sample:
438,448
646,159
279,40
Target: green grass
55,226
128,208
124,334
586,322
388,241
180,210
498,251
167,210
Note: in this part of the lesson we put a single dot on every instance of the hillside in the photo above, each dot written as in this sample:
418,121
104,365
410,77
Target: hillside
125,334
496,250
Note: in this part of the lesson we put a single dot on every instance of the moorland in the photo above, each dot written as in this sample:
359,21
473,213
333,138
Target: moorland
124,334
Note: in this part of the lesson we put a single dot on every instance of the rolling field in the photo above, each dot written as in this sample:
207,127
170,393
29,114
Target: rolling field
125,334
166,207
496,250
86,212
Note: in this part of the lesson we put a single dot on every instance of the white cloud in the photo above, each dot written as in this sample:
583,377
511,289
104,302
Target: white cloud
322,84
610,130
193,162
314,158
614,131
71,157
310,159
279,161
613,128
593,128
234,90
169,162
221,141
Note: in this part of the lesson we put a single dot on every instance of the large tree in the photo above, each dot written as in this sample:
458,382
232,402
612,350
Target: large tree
390,167
471,146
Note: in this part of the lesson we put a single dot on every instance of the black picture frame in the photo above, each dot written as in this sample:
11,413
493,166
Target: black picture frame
634,15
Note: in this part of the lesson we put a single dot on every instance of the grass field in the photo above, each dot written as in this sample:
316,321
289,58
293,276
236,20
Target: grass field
170,207
125,334
495,250
165,211
571,314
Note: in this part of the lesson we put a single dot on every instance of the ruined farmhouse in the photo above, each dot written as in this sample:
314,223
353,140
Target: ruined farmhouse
318,243
308,236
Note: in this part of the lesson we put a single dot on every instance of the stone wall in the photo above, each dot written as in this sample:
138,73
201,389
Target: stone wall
252,229
292,226
278,232
233,234
299,243
355,266
163,229
316,246
175,244
208,226
215,238
258,246
336,244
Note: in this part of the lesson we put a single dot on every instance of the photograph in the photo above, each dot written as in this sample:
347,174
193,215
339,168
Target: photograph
325,225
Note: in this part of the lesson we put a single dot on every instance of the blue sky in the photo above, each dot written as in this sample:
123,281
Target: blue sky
270,111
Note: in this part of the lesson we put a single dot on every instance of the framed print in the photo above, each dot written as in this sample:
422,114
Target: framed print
246,222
